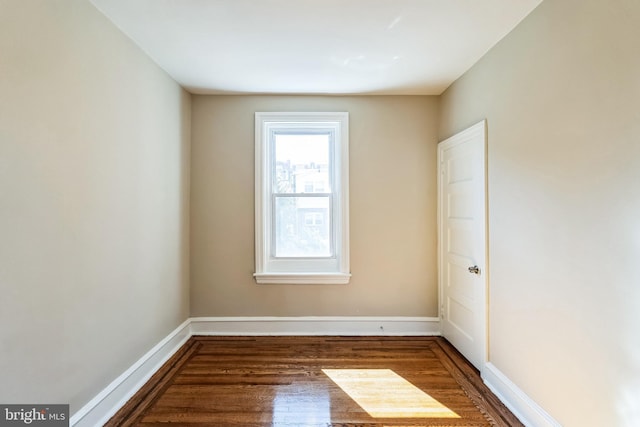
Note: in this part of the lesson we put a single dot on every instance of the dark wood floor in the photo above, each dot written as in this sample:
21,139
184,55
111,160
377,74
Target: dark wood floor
315,382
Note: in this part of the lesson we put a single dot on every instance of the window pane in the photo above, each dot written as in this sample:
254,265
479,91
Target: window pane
301,163
302,227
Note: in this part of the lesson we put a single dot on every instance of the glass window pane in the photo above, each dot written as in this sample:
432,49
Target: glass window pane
301,163
302,227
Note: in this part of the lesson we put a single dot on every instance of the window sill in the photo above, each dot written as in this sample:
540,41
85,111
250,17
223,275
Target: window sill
303,278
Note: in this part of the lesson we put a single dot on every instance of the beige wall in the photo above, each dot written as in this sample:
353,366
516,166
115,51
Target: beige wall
561,95
94,152
392,203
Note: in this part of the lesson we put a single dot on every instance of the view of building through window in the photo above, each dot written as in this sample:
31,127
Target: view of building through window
301,195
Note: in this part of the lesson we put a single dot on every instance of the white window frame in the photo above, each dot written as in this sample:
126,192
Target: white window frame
311,270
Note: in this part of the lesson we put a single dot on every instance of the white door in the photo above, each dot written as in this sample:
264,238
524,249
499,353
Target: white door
462,242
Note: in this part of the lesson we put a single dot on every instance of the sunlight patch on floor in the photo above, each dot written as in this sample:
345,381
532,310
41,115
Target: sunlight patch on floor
385,394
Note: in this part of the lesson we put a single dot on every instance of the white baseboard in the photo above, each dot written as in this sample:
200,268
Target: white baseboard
522,406
102,407
348,326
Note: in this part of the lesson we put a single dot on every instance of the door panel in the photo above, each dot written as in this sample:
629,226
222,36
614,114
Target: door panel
462,242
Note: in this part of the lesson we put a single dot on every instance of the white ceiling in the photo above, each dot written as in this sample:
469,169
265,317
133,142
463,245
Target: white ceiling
316,46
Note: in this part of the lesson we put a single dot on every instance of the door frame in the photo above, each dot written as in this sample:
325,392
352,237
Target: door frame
477,130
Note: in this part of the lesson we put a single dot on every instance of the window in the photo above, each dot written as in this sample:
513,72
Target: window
314,218
302,205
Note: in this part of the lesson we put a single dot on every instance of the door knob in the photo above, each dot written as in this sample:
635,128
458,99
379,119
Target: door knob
474,269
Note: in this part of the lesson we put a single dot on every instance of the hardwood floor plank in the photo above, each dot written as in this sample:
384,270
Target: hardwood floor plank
144,398
470,379
285,382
